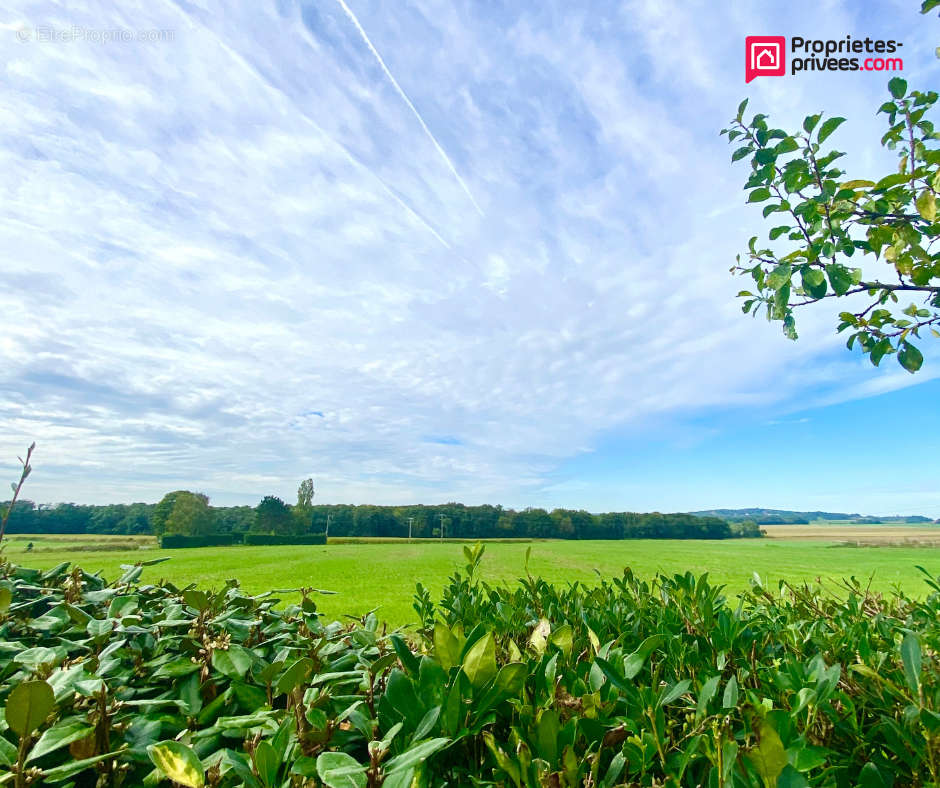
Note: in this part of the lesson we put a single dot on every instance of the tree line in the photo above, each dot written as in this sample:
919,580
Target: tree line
188,513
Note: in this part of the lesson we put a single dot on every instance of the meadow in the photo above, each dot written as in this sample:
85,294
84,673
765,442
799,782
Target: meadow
381,576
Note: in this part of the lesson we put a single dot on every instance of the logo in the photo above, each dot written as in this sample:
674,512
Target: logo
765,56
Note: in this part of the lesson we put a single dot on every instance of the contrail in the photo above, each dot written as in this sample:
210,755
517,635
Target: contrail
407,100
271,87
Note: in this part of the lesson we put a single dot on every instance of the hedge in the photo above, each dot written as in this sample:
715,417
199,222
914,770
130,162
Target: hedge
170,541
269,539
207,540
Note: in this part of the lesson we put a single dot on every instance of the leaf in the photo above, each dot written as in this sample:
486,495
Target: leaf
613,771
809,122
675,691
563,638
759,194
791,778
633,663
538,640
296,673
480,662
446,646
6,596
59,736
709,690
910,658
910,357
927,205
233,662
408,659
266,763
415,755
178,762
611,673
828,127
839,277
511,678
769,756
28,705
740,153
7,753
870,777
341,770
898,87
814,282
70,768
730,698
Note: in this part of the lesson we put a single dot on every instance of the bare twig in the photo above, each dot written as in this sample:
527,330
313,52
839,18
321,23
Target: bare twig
27,468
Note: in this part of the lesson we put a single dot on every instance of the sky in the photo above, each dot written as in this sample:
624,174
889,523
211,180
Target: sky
428,251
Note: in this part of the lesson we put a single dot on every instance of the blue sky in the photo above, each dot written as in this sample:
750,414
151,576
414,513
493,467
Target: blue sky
427,251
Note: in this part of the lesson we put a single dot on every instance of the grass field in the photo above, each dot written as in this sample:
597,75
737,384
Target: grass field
383,575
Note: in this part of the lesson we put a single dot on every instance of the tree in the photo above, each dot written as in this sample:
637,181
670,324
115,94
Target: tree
305,494
273,516
183,512
303,510
828,219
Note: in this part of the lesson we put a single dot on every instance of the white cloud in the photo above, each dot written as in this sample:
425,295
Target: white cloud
217,235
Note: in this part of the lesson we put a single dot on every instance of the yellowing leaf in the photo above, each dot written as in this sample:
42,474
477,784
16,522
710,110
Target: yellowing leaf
539,637
927,205
768,757
178,762
445,646
857,184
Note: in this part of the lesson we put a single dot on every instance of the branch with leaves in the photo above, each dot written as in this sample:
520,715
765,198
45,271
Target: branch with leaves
17,486
828,218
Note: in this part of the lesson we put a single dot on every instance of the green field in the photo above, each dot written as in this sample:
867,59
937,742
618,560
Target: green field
383,576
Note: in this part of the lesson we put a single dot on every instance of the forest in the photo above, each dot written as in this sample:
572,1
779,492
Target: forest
346,520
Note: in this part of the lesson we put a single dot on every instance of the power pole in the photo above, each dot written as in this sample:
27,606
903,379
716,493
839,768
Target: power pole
410,521
328,518
442,526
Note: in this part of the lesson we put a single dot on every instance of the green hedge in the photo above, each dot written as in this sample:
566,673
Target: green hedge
169,541
268,539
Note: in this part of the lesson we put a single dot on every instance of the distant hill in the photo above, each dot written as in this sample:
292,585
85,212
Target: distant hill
787,517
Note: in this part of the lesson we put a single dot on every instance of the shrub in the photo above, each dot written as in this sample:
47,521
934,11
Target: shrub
631,682
171,541
269,539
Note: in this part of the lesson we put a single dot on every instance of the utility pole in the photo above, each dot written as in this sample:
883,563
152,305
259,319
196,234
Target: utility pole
328,518
442,526
410,521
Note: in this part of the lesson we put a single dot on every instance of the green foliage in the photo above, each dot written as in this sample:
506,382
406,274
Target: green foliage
462,522
174,541
304,539
184,513
273,516
626,683
832,224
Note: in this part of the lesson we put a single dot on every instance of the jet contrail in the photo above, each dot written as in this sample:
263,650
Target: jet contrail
407,100
271,87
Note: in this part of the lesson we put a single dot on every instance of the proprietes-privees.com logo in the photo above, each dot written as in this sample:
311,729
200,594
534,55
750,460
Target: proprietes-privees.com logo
766,56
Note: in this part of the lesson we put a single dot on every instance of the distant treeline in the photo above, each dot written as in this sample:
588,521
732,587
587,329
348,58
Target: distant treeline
787,517
459,521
